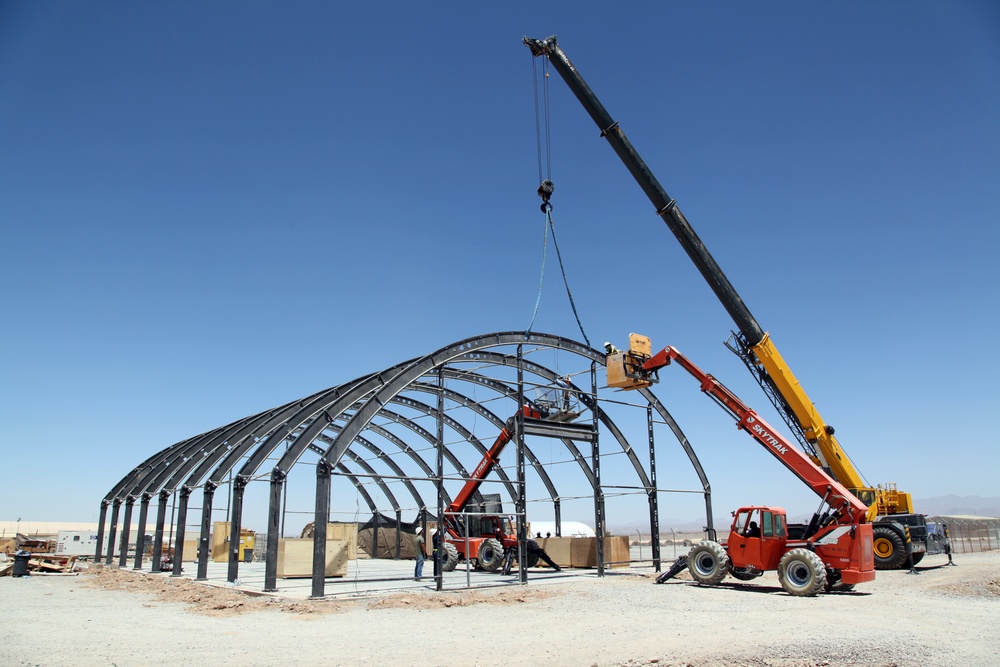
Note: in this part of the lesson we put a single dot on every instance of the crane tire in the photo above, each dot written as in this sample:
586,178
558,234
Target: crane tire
889,548
490,554
449,558
708,563
802,573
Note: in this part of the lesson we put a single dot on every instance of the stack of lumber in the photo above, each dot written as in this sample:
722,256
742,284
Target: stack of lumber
24,543
43,564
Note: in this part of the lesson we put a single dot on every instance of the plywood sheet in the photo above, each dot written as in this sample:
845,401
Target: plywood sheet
559,549
190,550
584,551
220,538
295,557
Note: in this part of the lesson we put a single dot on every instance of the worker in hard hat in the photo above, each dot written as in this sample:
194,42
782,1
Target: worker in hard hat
437,552
610,349
418,545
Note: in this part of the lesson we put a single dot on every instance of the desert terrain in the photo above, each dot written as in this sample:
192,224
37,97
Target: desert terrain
106,616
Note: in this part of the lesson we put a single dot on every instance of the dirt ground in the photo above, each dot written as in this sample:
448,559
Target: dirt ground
945,616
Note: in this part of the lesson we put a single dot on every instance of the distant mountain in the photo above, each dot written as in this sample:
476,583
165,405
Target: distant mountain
951,505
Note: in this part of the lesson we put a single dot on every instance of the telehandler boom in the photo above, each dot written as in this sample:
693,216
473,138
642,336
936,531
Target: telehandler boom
833,551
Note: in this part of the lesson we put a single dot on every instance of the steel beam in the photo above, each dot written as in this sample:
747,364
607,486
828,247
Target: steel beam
126,528
653,497
98,553
204,544
115,506
320,519
274,512
519,505
236,528
161,518
181,520
140,537
598,491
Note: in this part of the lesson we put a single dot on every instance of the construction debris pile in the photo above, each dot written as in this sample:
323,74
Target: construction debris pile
37,563
23,555
21,542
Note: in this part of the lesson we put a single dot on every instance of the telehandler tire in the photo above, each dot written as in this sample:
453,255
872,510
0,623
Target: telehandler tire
449,559
802,573
490,554
708,563
889,548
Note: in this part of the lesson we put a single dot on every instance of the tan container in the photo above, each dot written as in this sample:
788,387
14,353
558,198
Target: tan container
616,551
583,552
295,557
348,532
558,549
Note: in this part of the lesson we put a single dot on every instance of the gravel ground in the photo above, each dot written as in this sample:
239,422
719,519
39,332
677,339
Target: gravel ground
946,616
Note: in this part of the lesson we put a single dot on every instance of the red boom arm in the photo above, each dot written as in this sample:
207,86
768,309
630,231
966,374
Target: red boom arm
837,496
486,465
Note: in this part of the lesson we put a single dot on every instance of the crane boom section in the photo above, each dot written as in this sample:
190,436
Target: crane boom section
829,453
665,206
837,495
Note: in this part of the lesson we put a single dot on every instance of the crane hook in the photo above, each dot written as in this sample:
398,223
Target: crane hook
545,191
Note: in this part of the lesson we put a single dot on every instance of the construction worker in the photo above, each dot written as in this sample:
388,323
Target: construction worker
418,543
437,553
610,349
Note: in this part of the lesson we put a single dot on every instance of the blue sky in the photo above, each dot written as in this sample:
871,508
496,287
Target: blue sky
211,209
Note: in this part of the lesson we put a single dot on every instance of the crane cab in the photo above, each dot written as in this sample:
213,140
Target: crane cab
757,538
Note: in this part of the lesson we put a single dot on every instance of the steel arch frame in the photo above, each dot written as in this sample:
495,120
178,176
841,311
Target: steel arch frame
331,422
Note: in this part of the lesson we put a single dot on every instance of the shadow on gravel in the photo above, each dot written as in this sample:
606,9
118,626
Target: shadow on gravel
762,588
931,568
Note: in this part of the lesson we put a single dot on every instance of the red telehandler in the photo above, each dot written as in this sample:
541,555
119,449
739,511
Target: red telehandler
483,539
833,551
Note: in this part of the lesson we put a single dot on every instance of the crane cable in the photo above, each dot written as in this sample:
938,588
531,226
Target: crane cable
545,191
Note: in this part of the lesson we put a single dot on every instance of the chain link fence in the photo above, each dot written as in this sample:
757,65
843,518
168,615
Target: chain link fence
970,534
967,534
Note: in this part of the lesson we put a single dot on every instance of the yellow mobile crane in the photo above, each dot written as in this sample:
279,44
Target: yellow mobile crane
901,536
